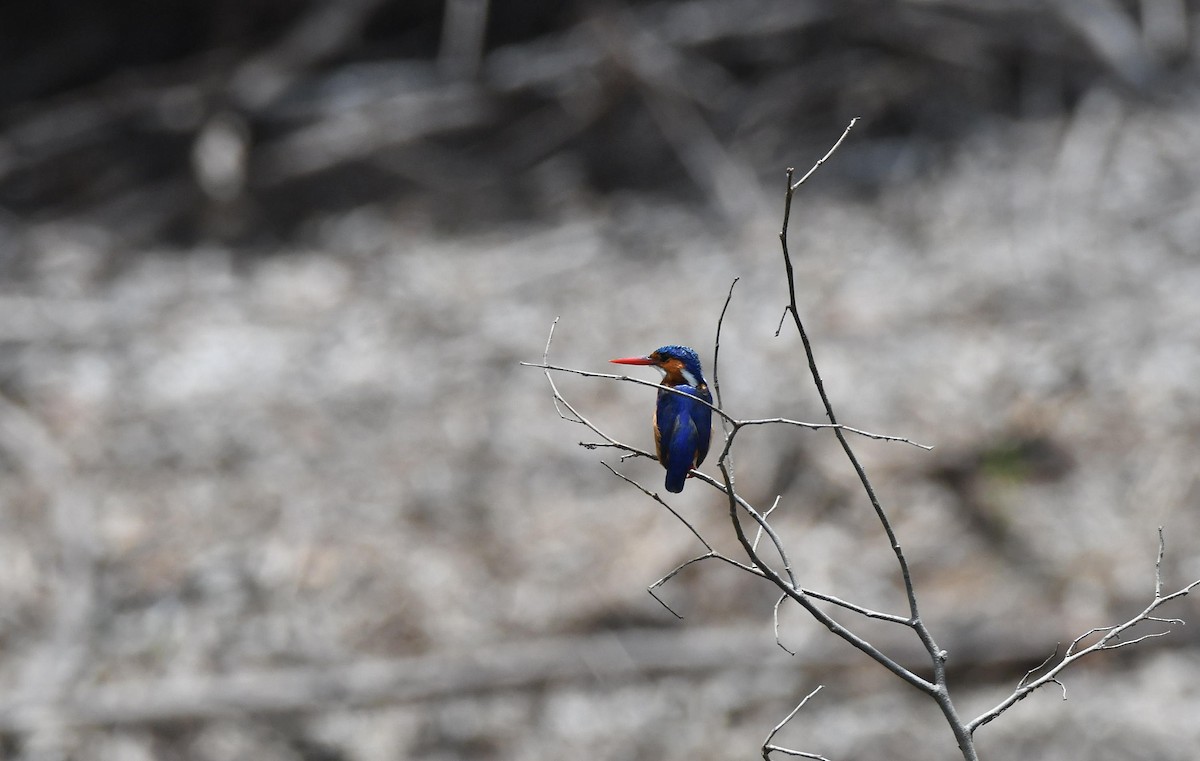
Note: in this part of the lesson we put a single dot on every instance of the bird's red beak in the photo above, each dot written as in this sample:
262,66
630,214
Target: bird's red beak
633,361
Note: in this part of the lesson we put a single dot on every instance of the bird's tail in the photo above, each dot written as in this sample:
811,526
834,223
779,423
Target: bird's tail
682,457
675,480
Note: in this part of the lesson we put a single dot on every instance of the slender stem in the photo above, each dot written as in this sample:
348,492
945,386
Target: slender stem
768,747
829,413
717,343
794,592
939,689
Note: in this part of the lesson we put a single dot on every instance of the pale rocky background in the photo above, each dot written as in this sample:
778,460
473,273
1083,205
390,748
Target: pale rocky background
275,485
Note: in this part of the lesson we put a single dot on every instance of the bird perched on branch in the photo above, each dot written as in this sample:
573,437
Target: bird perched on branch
682,425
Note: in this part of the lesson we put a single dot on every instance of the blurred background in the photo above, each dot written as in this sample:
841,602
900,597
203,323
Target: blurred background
275,486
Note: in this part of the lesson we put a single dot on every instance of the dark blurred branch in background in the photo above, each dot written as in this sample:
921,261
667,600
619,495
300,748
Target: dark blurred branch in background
606,658
333,104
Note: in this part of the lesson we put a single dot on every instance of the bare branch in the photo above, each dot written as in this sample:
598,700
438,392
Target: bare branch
835,426
1110,640
792,187
1095,629
710,554
1126,642
663,602
1162,548
628,379
654,496
558,400
671,575
782,317
768,747
890,617
938,689
820,385
1041,665
798,753
1062,686
791,584
778,641
717,343
793,590
561,402
758,534
722,413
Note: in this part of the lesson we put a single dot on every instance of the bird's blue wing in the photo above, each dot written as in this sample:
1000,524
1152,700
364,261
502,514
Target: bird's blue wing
702,417
684,428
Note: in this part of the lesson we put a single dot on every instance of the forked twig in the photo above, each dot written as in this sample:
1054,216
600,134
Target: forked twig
1041,665
768,748
1110,640
758,534
709,554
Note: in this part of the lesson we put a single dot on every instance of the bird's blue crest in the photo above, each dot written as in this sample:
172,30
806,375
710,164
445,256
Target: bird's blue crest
686,354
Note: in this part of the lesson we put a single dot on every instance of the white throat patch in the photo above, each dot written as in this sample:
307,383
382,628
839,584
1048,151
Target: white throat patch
687,375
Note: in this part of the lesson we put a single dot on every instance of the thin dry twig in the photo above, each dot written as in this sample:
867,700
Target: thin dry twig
768,748
722,413
767,514
717,344
831,426
793,187
1111,640
654,496
863,611
560,402
775,619
709,554
1041,665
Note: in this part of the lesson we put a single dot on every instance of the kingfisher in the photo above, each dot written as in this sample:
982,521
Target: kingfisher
682,425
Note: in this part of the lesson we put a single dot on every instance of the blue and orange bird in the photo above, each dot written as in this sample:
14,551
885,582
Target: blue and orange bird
682,425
